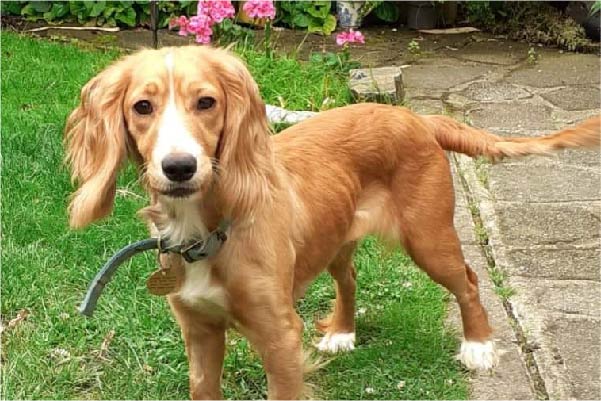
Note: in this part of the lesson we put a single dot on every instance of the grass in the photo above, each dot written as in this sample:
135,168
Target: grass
56,354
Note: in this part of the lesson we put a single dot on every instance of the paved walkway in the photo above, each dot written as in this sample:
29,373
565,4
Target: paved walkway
536,220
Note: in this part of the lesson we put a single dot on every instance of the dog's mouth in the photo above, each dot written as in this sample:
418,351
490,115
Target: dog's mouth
179,192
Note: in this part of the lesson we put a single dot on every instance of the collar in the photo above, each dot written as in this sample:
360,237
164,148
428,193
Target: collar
195,250
192,252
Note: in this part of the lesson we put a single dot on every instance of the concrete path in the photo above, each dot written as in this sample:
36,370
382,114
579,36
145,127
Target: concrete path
537,219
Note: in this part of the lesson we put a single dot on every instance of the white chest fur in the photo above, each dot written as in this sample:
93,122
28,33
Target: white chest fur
199,290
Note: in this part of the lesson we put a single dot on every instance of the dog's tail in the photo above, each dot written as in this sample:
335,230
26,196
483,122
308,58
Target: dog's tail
458,137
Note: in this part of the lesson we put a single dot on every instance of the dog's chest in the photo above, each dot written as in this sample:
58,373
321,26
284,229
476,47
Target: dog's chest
200,290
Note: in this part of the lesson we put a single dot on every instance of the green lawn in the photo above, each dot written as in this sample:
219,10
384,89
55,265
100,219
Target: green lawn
55,353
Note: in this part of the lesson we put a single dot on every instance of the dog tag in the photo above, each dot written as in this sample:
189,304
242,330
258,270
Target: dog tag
161,282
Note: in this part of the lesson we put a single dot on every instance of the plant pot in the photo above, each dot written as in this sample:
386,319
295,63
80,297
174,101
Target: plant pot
348,14
422,15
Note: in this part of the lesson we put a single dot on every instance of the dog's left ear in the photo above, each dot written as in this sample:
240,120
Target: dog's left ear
96,144
244,149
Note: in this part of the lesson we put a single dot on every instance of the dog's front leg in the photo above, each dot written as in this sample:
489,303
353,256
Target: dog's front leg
275,331
205,346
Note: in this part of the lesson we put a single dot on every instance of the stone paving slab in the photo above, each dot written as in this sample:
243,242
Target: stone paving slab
553,223
525,183
569,158
545,296
549,262
553,70
574,98
565,346
515,116
486,91
383,84
441,76
426,106
577,342
494,51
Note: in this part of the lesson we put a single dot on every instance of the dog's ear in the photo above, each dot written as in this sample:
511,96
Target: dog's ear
96,144
244,149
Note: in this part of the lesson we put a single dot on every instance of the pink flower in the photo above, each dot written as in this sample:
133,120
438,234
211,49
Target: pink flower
201,26
349,37
216,10
209,13
259,9
182,23
204,39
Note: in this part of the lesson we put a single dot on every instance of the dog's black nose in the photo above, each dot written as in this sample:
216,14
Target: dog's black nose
179,166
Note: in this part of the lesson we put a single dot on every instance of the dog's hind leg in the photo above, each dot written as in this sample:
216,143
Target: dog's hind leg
439,254
339,327
426,210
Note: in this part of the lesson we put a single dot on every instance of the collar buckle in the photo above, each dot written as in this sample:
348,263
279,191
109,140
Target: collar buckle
202,249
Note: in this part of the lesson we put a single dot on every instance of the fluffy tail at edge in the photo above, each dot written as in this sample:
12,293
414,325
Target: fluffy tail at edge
457,137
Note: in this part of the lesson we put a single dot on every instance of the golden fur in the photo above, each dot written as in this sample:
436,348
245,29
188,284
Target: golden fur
299,201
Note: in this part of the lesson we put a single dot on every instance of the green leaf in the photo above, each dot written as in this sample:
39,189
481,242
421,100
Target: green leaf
108,11
98,8
128,17
329,25
11,7
286,5
227,24
60,9
75,7
314,27
88,5
387,11
41,6
316,58
331,59
301,20
28,11
320,11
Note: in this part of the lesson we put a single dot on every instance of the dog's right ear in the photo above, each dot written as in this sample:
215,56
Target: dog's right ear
96,144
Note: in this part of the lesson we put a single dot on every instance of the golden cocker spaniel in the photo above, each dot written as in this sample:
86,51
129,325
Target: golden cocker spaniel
297,203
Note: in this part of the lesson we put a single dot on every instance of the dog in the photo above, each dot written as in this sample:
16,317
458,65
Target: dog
296,203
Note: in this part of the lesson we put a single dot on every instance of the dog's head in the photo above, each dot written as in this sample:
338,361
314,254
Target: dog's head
190,116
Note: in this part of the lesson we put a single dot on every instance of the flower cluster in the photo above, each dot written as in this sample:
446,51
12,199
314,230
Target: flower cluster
209,13
259,9
343,38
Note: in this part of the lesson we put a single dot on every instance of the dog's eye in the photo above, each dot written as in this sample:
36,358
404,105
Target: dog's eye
143,107
205,103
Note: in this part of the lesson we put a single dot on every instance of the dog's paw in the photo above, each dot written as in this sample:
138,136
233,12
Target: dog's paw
337,342
478,355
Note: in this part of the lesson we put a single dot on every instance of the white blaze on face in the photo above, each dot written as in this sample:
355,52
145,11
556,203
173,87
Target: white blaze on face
173,136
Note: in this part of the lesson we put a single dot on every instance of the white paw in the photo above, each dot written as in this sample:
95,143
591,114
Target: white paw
337,342
478,355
